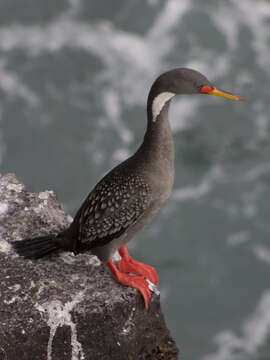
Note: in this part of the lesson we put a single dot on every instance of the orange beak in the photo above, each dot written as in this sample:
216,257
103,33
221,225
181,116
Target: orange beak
214,91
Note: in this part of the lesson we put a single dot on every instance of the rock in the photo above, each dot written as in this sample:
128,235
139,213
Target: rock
66,306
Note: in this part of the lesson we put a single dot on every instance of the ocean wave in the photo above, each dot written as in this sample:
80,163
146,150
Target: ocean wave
262,253
214,176
254,334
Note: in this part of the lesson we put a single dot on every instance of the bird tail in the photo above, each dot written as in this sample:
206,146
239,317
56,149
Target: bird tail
37,247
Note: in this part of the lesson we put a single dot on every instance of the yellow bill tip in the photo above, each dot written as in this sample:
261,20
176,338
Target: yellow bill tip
224,94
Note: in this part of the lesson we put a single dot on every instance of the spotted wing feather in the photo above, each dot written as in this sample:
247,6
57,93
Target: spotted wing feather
111,208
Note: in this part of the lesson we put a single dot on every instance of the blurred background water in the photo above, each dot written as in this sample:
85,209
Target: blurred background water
74,78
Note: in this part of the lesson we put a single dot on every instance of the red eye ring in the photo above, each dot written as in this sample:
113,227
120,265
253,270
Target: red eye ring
205,89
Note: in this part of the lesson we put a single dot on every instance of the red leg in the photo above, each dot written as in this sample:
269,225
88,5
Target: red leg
136,282
128,265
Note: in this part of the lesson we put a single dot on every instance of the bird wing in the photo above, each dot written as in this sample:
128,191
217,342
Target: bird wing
115,204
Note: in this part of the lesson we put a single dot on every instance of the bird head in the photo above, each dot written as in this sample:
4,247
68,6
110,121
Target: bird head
189,81
181,81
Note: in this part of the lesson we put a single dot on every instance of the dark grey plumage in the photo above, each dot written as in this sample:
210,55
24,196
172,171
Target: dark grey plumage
128,197
115,204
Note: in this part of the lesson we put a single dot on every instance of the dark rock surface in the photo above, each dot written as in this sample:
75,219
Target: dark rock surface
67,307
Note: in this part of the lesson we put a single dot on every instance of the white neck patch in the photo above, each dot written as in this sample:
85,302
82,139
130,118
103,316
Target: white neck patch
159,102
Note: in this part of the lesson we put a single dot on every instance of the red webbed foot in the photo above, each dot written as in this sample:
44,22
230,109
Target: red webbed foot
136,282
129,265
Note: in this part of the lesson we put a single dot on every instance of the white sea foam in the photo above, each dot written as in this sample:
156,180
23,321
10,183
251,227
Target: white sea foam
142,55
182,110
245,13
256,18
238,238
262,253
254,332
215,175
256,172
261,120
113,108
127,57
160,36
131,56
11,85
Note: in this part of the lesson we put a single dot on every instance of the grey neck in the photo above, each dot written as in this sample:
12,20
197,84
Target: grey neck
158,139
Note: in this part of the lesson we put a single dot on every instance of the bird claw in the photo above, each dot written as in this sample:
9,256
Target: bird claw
142,272
128,265
136,282
140,284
